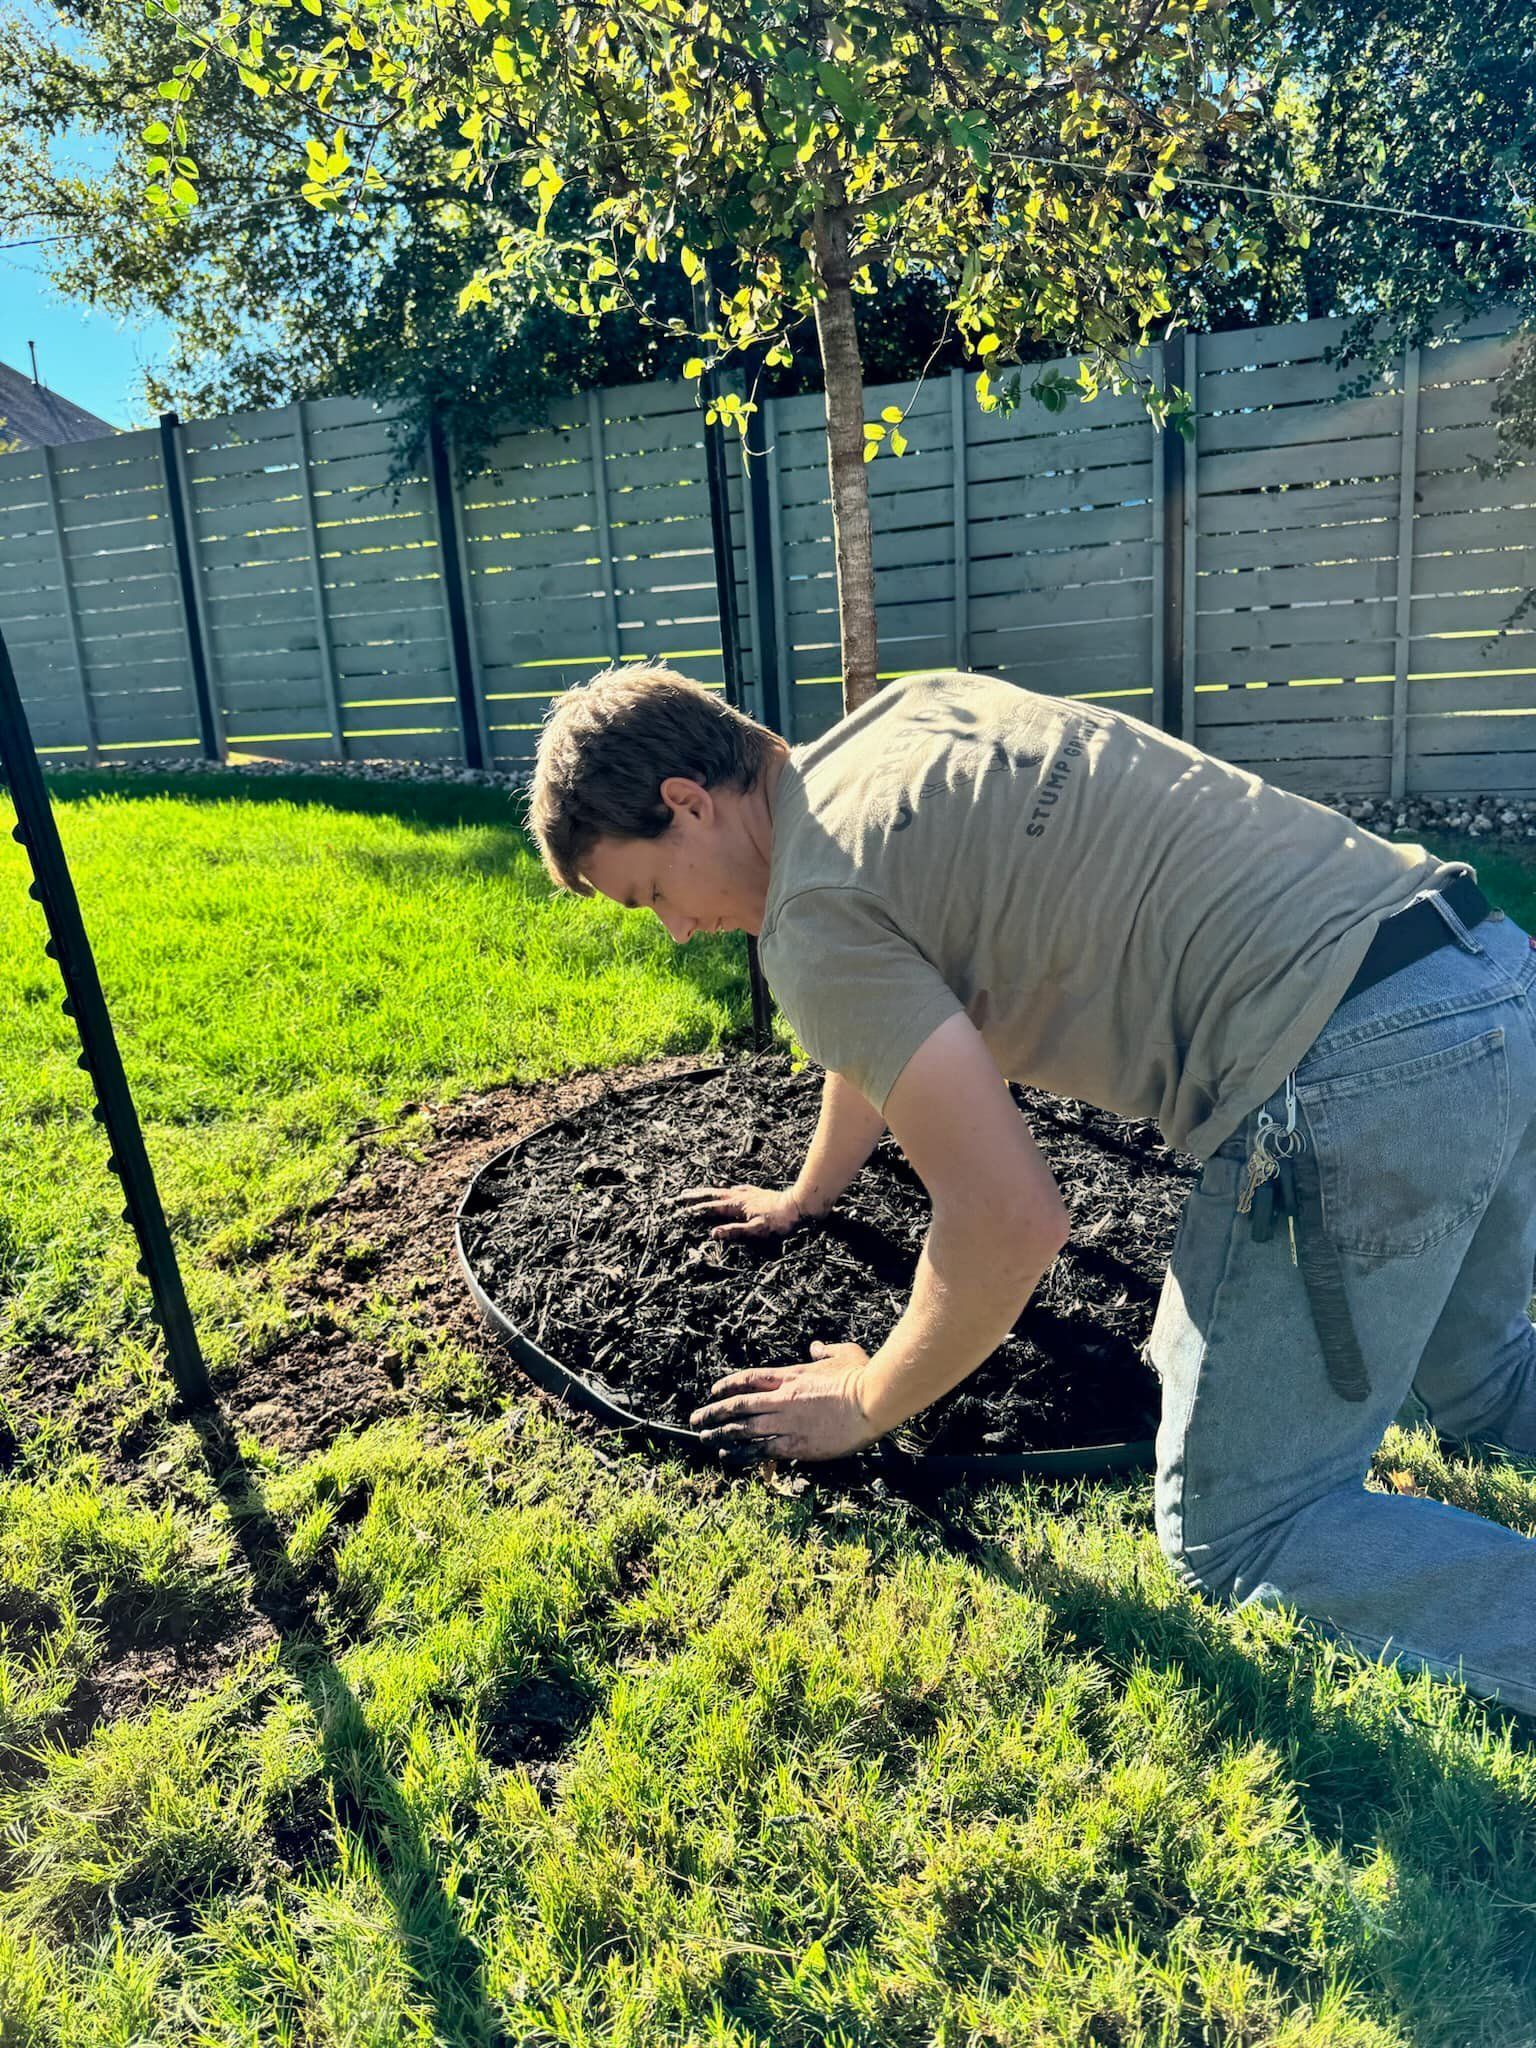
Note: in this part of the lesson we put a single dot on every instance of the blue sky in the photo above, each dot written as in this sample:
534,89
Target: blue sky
94,358
91,357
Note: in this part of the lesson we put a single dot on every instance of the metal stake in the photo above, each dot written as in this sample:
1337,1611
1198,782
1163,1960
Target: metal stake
37,830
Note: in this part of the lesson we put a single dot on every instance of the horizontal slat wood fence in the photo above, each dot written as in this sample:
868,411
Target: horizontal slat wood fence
1318,586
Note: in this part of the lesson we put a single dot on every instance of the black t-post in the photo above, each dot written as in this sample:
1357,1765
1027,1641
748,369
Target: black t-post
37,830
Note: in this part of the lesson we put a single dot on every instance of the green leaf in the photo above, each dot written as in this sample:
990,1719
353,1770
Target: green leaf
693,267
258,85
187,194
157,132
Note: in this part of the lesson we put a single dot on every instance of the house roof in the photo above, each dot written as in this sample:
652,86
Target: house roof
39,418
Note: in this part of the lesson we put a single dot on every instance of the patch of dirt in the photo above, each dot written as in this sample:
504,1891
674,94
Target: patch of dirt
535,1726
579,1248
578,1241
166,1674
386,1233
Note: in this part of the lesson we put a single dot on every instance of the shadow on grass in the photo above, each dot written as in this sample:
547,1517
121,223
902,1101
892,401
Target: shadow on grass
444,1964
1343,1767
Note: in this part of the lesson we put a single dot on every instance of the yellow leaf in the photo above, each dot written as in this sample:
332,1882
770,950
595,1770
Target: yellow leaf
892,415
694,367
898,444
988,345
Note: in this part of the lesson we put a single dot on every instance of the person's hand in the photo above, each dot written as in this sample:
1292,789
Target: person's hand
745,1211
792,1411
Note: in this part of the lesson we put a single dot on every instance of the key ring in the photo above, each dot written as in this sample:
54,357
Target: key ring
1285,1139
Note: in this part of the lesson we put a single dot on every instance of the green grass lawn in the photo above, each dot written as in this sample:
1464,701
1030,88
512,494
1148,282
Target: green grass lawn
803,1771
286,961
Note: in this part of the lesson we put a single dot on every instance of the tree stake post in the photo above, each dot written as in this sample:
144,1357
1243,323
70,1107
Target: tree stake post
37,830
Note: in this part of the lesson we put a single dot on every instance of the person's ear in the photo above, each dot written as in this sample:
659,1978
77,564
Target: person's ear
680,793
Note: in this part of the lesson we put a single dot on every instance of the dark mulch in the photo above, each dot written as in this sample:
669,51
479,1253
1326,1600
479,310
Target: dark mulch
577,1241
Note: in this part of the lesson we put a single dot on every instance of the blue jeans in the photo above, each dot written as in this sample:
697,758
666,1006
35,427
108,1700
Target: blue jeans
1418,1104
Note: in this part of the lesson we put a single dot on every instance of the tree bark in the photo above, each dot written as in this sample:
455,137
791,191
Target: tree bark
843,372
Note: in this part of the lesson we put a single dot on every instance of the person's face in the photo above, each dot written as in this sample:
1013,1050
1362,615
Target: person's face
690,876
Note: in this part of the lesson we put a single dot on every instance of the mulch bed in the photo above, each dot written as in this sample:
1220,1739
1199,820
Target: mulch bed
620,1289
577,1240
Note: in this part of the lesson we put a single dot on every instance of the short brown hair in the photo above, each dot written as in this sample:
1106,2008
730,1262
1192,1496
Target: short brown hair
609,744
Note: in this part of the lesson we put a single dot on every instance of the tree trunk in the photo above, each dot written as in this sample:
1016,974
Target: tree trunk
843,371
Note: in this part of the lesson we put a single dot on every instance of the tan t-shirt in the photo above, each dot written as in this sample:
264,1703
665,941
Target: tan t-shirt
1124,918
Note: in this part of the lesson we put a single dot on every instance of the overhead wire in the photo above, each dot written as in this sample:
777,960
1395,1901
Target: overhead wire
1456,220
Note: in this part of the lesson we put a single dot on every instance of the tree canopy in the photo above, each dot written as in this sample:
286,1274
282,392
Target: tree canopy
269,298
799,143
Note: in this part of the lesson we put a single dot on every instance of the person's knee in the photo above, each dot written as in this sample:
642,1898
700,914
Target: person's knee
1219,1568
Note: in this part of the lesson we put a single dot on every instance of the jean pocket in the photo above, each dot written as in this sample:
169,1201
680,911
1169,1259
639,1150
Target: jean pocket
1409,1154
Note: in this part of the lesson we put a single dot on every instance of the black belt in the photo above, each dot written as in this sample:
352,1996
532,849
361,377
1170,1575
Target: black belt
1407,935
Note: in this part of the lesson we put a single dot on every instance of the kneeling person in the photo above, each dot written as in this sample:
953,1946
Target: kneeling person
965,883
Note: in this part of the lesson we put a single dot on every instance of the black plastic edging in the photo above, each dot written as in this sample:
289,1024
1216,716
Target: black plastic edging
1083,1462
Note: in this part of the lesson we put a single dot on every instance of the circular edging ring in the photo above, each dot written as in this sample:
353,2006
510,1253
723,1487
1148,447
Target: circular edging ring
944,1468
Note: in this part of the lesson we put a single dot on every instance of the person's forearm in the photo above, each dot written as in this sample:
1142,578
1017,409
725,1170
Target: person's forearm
847,1131
968,1291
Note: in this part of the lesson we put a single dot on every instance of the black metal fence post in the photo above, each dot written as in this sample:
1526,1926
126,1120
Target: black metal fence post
730,626
37,830
186,573
453,583
1169,715
767,569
